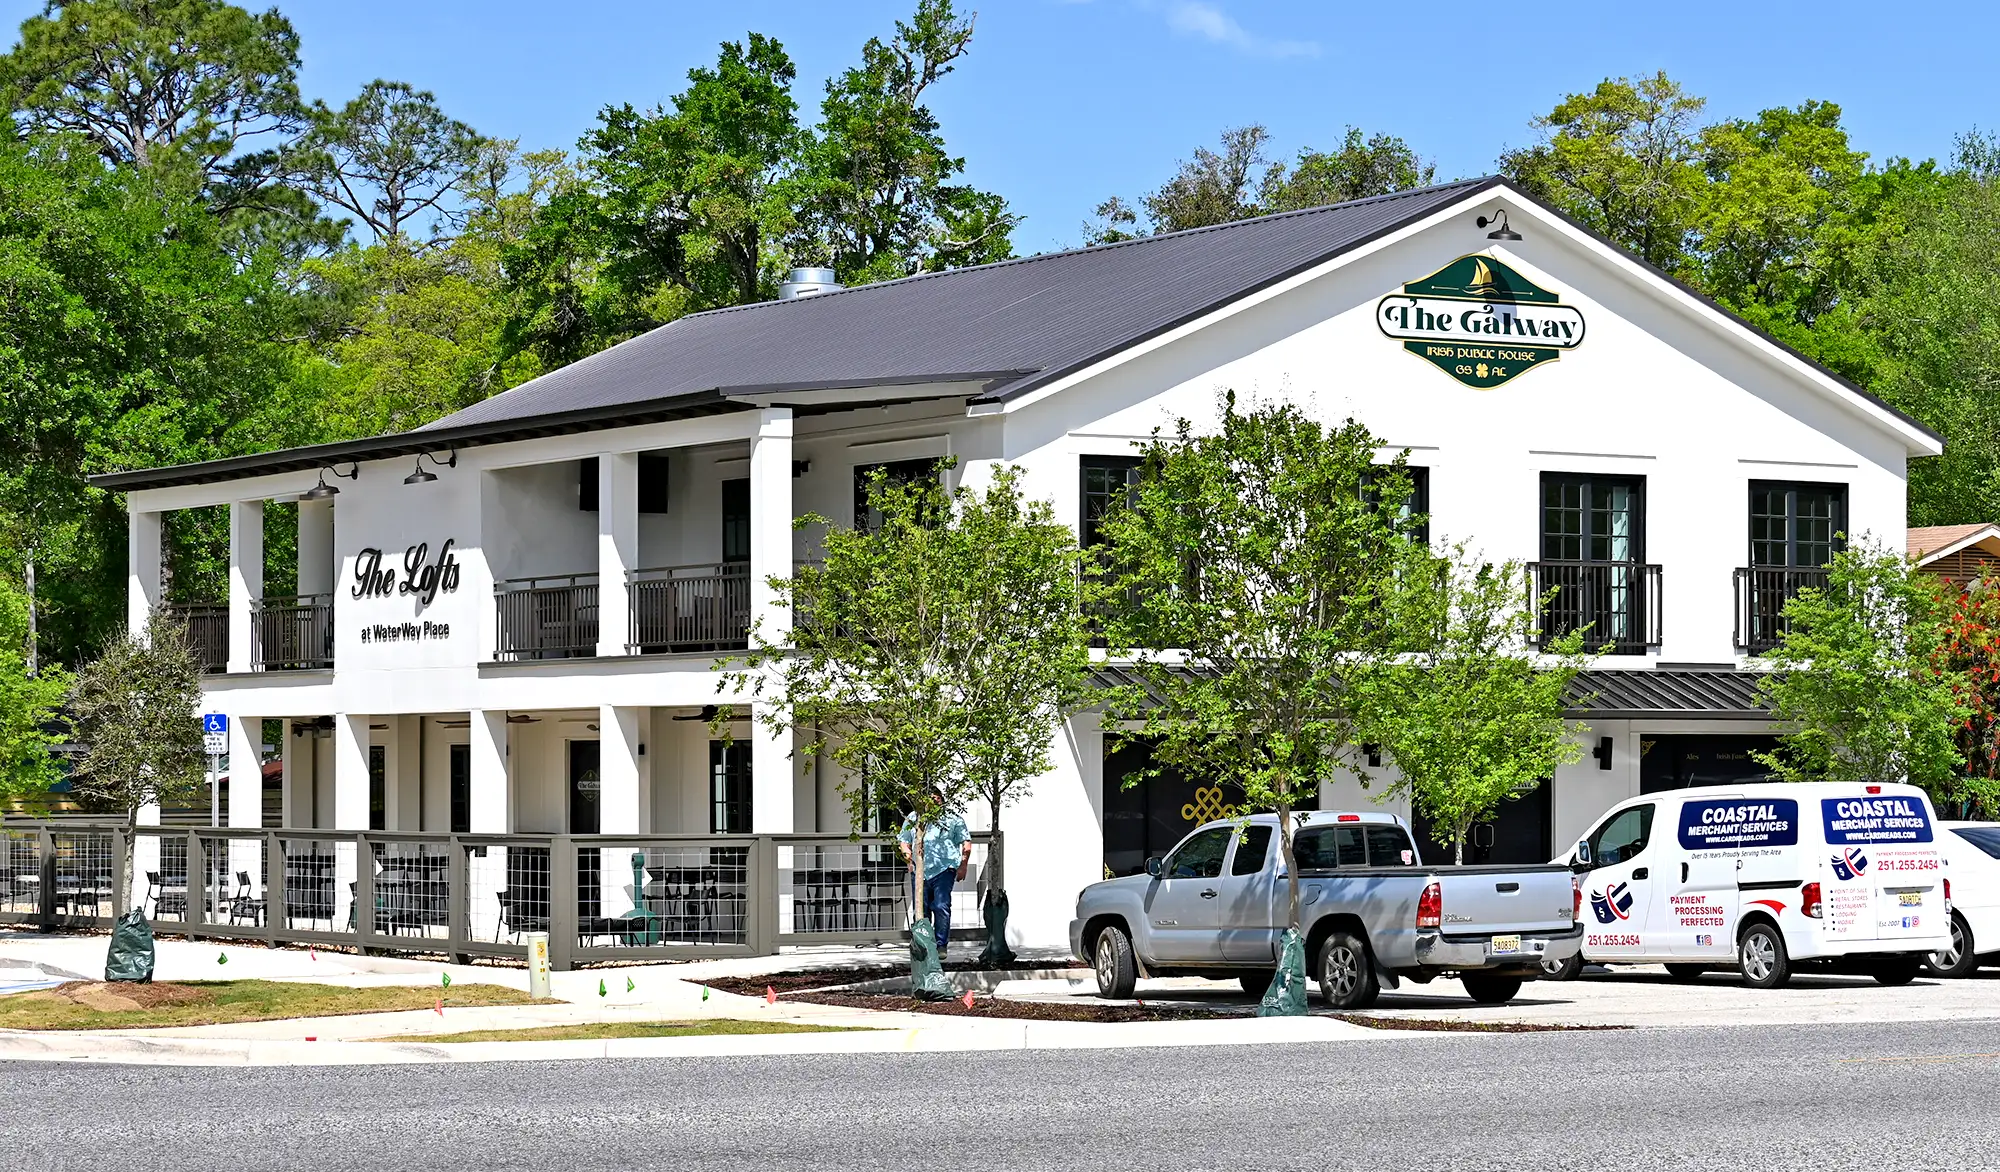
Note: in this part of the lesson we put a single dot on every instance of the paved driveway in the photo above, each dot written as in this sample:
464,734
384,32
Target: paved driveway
1642,995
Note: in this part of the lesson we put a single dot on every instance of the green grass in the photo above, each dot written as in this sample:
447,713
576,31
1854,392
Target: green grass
592,1031
89,1005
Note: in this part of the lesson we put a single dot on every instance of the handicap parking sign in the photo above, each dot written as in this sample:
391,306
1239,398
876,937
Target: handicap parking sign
215,732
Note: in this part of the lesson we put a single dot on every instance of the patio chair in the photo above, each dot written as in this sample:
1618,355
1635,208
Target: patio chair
244,904
165,903
522,912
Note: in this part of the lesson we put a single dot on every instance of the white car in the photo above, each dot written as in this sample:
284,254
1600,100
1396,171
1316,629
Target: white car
1972,855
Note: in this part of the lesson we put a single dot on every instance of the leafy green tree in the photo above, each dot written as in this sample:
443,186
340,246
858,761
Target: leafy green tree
198,83
134,713
1623,160
933,656
1251,583
1473,716
1364,166
875,193
1858,678
30,702
1212,187
388,157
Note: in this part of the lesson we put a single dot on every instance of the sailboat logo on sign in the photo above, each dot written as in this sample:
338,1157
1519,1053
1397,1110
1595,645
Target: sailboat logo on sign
1480,322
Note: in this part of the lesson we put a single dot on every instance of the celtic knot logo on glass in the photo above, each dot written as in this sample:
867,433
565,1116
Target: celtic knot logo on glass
1207,805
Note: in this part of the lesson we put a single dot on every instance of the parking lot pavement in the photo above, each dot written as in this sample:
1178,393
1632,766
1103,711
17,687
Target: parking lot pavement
1640,996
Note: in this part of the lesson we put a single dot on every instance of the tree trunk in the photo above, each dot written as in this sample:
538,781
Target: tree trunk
30,653
131,856
1458,845
1291,864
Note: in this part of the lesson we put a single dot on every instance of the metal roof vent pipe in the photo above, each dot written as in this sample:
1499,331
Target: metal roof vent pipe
806,282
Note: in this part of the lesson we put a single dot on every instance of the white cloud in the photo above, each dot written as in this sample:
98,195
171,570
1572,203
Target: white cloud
1196,19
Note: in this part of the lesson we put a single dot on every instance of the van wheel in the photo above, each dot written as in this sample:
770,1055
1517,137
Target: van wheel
1686,972
1761,955
1117,971
1960,959
1565,969
1347,972
1490,988
1896,970
1256,984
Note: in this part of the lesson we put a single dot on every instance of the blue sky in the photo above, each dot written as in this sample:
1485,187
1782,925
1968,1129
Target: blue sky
1063,102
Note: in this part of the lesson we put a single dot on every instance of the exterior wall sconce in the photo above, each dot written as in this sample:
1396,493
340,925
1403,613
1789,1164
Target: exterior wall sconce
422,477
1503,232
1603,753
326,492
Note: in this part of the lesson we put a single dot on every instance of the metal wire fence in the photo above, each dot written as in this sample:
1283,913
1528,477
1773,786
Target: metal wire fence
599,897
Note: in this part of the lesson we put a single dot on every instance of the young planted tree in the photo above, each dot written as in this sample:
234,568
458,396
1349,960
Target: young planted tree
1249,582
134,711
1472,716
1027,669
933,654
1860,678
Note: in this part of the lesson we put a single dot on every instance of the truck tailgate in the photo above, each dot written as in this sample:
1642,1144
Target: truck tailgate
1497,900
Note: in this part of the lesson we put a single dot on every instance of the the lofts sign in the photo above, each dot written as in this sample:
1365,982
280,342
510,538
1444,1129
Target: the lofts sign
423,579
1480,322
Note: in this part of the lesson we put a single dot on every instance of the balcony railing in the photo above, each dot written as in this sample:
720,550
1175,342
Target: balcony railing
295,632
690,609
1615,604
547,618
207,626
1761,594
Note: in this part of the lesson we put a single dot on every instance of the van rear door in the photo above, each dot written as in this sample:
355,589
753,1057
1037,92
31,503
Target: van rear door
1882,872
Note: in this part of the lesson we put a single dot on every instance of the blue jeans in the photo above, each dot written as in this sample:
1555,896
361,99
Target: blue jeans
937,905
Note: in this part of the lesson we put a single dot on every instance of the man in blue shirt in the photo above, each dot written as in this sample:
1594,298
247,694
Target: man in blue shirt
946,853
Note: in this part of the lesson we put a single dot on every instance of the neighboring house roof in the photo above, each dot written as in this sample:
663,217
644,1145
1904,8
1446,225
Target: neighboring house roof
989,333
1931,542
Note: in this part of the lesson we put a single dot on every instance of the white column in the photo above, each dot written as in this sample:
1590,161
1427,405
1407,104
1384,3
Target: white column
146,858
617,547
770,523
315,547
289,753
622,772
350,772
772,792
246,798
142,570
489,772
246,580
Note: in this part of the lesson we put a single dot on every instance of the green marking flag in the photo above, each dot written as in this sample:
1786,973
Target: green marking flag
601,990
629,986
221,958
704,992
447,980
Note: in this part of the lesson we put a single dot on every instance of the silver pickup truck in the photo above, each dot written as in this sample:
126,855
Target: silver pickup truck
1372,911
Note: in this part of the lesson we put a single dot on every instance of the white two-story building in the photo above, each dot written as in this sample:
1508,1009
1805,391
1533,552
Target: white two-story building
507,621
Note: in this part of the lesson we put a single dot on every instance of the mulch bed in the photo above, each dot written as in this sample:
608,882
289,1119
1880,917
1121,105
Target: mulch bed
983,1006
793,982
1457,1026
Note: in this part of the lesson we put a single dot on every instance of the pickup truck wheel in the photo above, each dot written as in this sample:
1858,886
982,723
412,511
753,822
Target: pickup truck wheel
1490,988
1347,972
1761,955
1117,971
1256,984
1565,969
1959,960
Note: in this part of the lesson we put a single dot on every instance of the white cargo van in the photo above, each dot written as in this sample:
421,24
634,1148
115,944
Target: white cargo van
1764,877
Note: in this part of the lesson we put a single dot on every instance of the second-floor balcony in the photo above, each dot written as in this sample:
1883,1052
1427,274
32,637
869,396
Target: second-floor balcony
1615,604
207,627
1761,594
672,609
290,633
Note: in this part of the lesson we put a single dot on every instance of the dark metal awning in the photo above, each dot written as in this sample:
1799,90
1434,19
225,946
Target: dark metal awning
1636,694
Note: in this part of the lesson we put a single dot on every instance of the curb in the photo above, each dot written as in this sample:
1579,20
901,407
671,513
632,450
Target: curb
134,1049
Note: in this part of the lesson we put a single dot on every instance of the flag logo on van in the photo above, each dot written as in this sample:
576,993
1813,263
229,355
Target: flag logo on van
1612,904
1849,863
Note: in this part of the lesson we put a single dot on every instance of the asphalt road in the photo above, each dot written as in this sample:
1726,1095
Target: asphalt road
1906,1096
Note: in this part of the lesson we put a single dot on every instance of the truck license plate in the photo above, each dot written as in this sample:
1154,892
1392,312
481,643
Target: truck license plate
1910,898
1502,945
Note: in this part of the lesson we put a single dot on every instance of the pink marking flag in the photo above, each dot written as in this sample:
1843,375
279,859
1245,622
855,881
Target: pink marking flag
967,999
770,995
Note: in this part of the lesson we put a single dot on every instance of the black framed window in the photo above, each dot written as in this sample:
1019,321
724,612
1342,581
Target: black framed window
1106,480
1588,518
378,787
894,472
460,770
729,787
736,520
1416,510
652,483
1796,525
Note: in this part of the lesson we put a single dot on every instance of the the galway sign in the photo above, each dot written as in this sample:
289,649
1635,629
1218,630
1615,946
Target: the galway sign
1480,322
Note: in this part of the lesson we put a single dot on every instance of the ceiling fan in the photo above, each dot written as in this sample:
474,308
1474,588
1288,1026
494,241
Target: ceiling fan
708,713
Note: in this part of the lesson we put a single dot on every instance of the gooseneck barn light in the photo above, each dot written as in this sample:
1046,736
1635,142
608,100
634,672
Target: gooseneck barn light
1503,232
422,477
326,492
